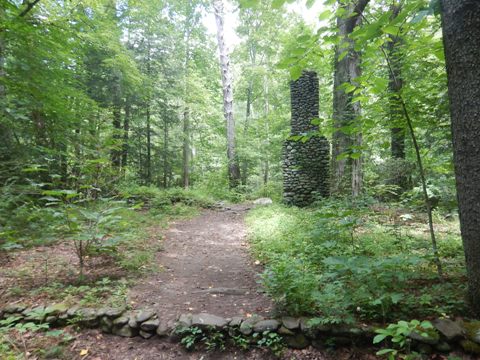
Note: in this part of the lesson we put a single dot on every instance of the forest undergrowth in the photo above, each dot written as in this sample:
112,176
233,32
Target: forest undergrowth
363,261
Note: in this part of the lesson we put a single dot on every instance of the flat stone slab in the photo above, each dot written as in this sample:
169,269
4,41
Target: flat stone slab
291,323
144,316
206,320
266,325
448,328
150,325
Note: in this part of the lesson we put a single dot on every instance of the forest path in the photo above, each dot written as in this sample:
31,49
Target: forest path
206,267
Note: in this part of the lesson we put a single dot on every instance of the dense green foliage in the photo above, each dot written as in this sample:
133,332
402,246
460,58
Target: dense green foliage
344,261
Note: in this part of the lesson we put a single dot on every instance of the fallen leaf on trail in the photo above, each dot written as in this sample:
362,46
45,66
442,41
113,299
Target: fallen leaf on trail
83,352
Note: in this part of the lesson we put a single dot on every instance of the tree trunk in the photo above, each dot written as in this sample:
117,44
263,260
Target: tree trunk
117,122
233,168
347,68
148,160
248,114
395,84
186,149
126,129
461,29
165,152
267,133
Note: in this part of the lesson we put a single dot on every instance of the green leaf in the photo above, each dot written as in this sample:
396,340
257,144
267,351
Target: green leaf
379,338
392,30
325,15
295,72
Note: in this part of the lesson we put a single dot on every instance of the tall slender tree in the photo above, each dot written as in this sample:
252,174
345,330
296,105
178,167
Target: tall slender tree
347,170
233,167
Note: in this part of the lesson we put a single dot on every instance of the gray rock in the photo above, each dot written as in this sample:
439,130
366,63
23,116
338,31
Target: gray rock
246,328
88,317
144,316
429,340
164,329
145,334
448,328
185,320
150,325
14,308
284,331
122,320
106,324
114,312
291,323
133,323
266,325
51,319
56,309
125,331
236,321
35,314
208,320
73,311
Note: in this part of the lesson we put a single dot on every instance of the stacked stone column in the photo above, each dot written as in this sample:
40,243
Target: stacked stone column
305,163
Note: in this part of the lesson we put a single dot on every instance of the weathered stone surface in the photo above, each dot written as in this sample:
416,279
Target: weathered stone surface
307,328
185,320
51,319
207,320
449,329
246,328
297,341
164,328
122,320
114,312
284,331
87,317
266,325
125,331
106,324
145,334
144,315
133,323
150,325
56,309
35,314
305,163
73,310
291,323
14,308
431,339
236,321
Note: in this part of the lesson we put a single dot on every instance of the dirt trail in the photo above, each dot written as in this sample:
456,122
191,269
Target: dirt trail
206,268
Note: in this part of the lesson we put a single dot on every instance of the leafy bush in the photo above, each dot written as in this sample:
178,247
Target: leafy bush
341,262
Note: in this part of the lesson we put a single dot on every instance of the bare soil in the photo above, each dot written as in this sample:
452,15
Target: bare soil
206,267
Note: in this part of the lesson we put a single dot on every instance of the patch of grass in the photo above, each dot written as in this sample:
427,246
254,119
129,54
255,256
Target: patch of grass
345,262
104,292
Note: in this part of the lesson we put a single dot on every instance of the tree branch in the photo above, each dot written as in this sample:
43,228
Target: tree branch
29,7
